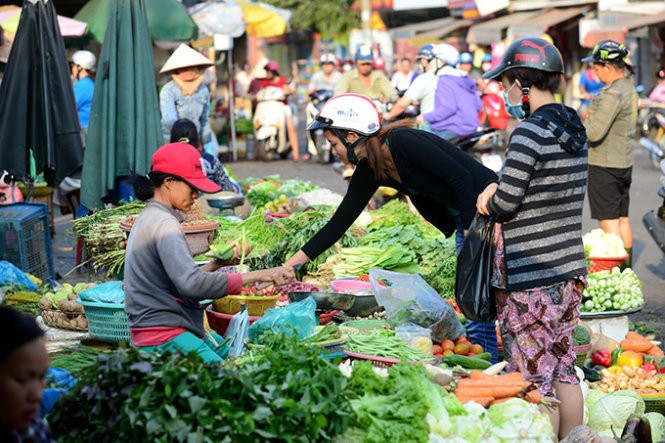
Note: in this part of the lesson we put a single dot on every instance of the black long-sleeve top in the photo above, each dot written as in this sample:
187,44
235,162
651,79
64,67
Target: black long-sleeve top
440,179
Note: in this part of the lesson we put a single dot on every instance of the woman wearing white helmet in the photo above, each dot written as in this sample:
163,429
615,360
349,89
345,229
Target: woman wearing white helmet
83,66
442,181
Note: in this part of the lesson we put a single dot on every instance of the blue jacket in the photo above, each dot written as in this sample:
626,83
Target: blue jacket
174,105
456,103
83,92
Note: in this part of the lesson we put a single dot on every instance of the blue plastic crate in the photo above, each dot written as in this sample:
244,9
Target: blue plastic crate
25,238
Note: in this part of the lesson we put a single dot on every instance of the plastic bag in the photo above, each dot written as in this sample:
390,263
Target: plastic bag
12,276
408,299
238,331
296,318
110,292
473,290
417,337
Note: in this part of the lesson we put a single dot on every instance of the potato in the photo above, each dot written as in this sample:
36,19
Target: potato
72,297
45,303
68,306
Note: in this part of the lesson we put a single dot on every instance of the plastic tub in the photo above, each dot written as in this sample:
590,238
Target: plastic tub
350,286
220,322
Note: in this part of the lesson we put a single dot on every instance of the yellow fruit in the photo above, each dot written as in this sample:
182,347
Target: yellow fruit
630,358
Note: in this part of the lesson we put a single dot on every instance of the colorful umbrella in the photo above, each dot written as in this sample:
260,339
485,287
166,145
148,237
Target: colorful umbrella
263,20
167,19
11,15
37,101
125,128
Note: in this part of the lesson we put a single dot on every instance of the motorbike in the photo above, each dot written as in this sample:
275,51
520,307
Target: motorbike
317,144
411,111
270,124
484,146
654,220
493,114
654,138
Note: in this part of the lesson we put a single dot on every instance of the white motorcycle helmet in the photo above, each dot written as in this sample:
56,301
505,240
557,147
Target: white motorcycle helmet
447,53
85,59
349,112
328,58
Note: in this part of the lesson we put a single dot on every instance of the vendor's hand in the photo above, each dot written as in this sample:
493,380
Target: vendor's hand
484,197
282,275
238,249
420,121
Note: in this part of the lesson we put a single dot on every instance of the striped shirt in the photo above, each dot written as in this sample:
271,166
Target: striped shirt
540,199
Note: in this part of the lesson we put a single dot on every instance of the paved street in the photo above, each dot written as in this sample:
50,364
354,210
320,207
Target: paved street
649,262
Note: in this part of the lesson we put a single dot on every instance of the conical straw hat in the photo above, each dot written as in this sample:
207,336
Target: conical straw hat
185,57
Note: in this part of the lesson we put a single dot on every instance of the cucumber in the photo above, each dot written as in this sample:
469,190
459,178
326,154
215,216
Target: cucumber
467,362
484,356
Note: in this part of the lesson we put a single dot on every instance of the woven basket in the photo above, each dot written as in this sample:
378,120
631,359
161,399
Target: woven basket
654,403
582,354
198,237
382,362
63,320
605,263
256,306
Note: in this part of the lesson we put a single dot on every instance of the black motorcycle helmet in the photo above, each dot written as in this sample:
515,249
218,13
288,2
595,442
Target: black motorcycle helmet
530,53
608,51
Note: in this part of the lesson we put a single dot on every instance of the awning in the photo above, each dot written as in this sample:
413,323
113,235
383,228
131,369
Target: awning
641,22
440,33
491,31
415,28
541,23
596,36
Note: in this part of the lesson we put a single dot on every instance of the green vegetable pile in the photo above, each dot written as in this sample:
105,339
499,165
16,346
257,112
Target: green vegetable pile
612,290
353,262
261,191
288,394
384,344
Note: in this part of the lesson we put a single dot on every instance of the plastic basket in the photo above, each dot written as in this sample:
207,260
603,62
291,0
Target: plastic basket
25,238
62,320
654,403
333,350
219,322
383,362
582,352
256,306
107,322
605,263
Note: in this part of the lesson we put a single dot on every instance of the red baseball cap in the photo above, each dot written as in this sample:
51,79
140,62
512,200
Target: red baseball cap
184,161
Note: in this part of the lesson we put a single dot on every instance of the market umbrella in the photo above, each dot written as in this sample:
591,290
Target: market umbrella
167,19
11,15
37,102
124,128
263,20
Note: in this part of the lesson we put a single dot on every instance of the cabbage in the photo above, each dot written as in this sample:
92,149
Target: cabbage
601,244
657,423
612,411
518,420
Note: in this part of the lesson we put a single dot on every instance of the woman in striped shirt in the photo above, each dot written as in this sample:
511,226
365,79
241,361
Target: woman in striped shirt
539,267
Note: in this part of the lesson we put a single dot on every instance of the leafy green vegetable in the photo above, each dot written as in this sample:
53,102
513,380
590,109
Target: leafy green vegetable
581,336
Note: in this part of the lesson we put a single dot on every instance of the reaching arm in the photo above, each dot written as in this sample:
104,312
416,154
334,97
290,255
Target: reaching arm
398,108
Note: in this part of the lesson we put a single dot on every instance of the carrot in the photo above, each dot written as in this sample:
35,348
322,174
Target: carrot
495,391
480,375
484,401
532,396
655,351
632,335
637,345
496,380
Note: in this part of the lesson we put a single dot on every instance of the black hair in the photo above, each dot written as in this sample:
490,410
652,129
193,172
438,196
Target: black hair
660,72
528,77
16,329
184,130
144,186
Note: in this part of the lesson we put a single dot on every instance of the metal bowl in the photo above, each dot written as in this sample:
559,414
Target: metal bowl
226,202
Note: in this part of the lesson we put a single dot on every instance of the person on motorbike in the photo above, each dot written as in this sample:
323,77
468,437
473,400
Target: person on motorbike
589,86
273,79
658,93
456,102
404,75
611,125
421,90
367,81
466,65
442,181
327,77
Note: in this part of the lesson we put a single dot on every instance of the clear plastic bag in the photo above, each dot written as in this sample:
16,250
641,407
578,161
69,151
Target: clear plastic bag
417,337
12,276
408,299
238,332
296,318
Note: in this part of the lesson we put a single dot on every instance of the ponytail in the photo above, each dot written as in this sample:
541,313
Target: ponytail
144,186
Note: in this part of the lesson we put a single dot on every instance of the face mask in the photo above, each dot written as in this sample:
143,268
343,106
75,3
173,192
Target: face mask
516,111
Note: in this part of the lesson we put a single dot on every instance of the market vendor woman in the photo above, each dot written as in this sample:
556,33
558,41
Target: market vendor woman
442,181
163,285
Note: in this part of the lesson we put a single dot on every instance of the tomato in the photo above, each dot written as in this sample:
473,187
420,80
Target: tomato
476,349
650,368
447,345
462,348
461,340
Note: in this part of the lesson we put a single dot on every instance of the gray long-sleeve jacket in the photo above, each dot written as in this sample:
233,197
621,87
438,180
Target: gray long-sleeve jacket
163,284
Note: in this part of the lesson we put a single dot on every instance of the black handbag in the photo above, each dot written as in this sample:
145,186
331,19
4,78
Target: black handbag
473,290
